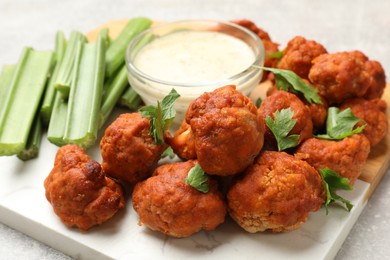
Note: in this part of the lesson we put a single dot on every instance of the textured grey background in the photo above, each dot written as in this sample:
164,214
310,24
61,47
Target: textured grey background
338,25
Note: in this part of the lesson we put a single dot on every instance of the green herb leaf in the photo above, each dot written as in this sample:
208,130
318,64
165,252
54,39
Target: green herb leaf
168,111
258,102
340,124
332,181
197,179
168,153
288,80
281,126
161,116
275,55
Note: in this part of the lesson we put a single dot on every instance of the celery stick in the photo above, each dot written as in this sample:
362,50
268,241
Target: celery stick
112,93
130,99
85,94
56,129
116,52
22,99
64,77
5,81
47,103
106,36
31,150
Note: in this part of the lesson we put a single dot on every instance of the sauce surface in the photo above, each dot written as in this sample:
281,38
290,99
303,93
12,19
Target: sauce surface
194,57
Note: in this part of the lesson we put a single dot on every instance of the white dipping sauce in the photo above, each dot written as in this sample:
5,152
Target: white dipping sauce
194,57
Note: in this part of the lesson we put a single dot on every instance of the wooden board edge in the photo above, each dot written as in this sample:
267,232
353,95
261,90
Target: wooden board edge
380,155
114,28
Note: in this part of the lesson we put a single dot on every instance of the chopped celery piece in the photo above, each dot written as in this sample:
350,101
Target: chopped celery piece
85,94
106,36
56,129
31,150
112,93
130,99
22,100
116,52
5,81
47,103
64,77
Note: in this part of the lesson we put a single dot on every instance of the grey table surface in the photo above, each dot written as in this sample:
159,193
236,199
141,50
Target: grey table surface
338,25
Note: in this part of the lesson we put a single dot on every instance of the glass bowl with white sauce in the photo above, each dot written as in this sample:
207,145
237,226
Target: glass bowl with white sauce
193,57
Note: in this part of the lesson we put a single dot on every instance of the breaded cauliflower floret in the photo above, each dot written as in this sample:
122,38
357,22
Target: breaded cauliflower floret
183,142
343,75
378,80
346,157
128,150
78,190
318,111
166,203
373,112
228,133
279,100
298,55
276,193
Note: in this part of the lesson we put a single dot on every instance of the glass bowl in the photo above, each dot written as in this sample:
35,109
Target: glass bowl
152,88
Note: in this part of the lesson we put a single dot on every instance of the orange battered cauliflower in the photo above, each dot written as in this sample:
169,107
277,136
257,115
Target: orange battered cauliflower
166,203
128,150
276,193
78,190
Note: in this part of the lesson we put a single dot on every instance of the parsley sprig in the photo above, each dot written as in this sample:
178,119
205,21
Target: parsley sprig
280,126
341,124
197,179
287,80
331,182
161,116
275,55
168,153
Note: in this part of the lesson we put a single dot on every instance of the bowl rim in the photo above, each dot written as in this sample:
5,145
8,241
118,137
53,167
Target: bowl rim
260,57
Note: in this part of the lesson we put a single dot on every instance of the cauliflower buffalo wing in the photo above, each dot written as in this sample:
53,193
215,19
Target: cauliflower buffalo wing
373,112
226,131
276,193
279,100
78,190
346,157
343,75
166,203
128,150
298,55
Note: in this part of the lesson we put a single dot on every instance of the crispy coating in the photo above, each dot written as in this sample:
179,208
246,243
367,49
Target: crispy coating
299,54
318,112
228,132
166,203
78,190
378,80
183,142
340,76
269,46
276,193
282,100
129,152
373,112
346,157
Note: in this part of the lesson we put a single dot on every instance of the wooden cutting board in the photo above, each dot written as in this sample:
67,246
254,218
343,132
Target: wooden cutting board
379,158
